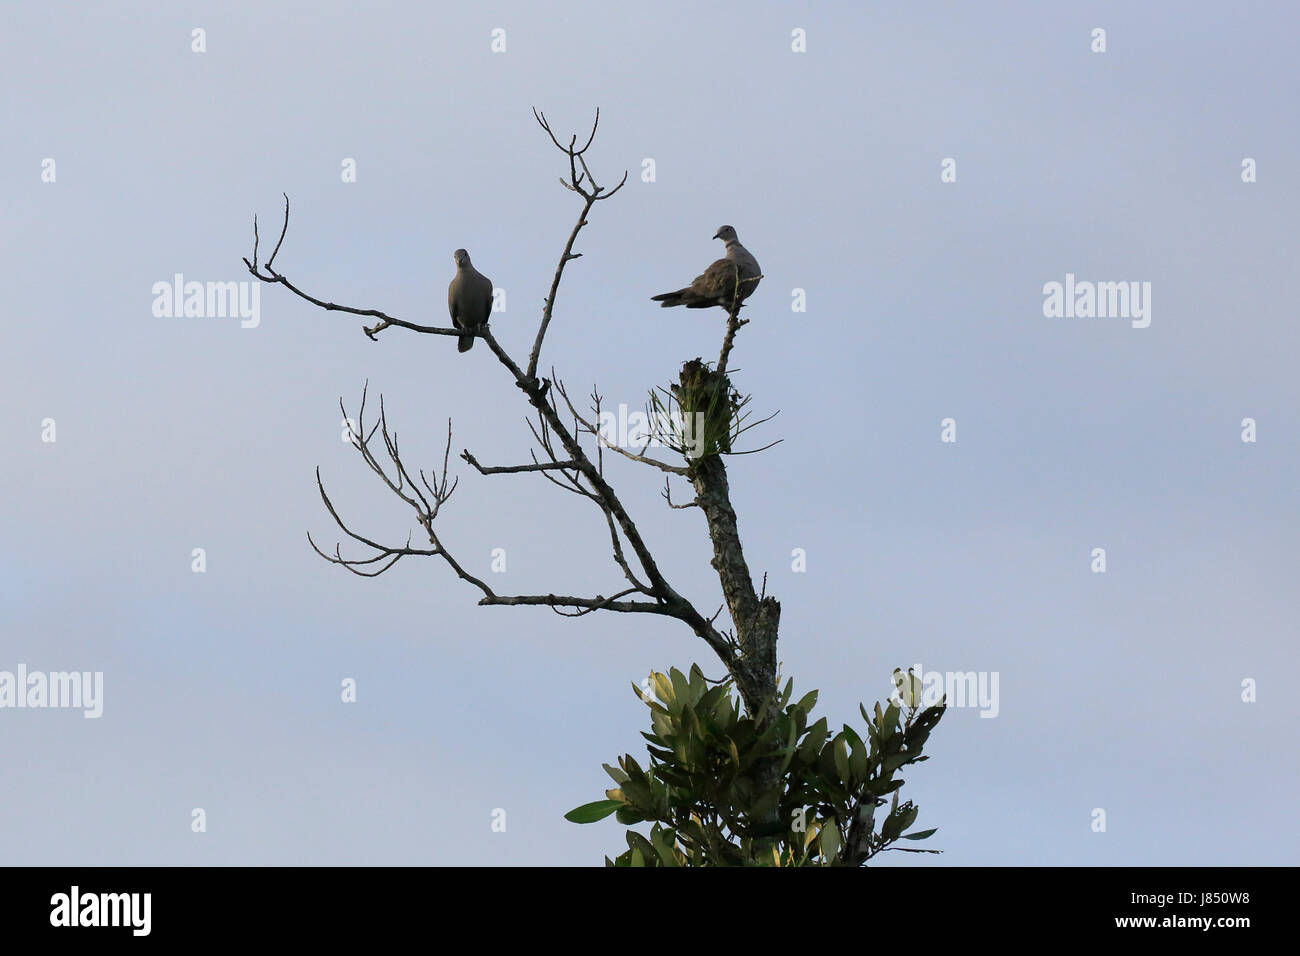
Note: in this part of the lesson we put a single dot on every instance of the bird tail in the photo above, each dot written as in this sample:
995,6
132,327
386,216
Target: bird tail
465,343
669,299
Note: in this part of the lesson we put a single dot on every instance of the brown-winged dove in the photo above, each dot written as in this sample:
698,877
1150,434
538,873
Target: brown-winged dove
717,286
469,299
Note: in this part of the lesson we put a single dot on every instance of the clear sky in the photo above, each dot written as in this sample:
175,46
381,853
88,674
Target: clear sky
1120,691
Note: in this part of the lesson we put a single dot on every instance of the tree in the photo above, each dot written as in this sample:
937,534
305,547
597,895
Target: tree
699,417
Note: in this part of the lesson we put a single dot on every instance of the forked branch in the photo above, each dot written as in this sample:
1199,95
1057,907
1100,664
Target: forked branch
590,197
267,273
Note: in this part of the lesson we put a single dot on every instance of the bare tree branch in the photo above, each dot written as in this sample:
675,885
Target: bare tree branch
586,605
605,443
591,197
668,496
734,323
516,469
268,274
398,480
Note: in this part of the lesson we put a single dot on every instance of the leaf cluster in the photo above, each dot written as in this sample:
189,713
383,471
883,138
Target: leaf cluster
700,415
722,788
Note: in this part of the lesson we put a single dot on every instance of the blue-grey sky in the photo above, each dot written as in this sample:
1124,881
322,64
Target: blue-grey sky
1119,691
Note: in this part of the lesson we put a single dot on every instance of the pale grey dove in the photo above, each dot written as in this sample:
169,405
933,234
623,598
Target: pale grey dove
469,299
717,286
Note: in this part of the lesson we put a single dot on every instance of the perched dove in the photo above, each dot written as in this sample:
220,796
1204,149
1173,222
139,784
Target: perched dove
717,286
469,299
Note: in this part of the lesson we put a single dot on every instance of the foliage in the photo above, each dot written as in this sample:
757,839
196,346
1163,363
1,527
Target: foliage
702,415
704,791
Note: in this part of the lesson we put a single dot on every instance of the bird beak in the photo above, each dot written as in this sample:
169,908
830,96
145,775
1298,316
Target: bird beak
718,234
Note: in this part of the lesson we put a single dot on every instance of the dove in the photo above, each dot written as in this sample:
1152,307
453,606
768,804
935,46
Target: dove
717,285
469,299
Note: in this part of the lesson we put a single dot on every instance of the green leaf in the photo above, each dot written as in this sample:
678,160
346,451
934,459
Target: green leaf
889,723
894,761
717,701
899,819
708,700
882,785
690,722
663,844
807,702
640,844
638,795
927,718
920,834
858,760
915,737
618,775
681,689
666,756
591,812
889,829
812,742
829,840
841,752
663,687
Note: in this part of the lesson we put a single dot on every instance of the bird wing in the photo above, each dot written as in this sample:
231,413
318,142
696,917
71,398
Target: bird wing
716,283
479,304
453,300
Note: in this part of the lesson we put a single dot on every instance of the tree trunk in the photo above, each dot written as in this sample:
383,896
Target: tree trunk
756,618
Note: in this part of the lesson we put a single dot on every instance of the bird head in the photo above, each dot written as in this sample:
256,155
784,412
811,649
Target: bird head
461,257
725,233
